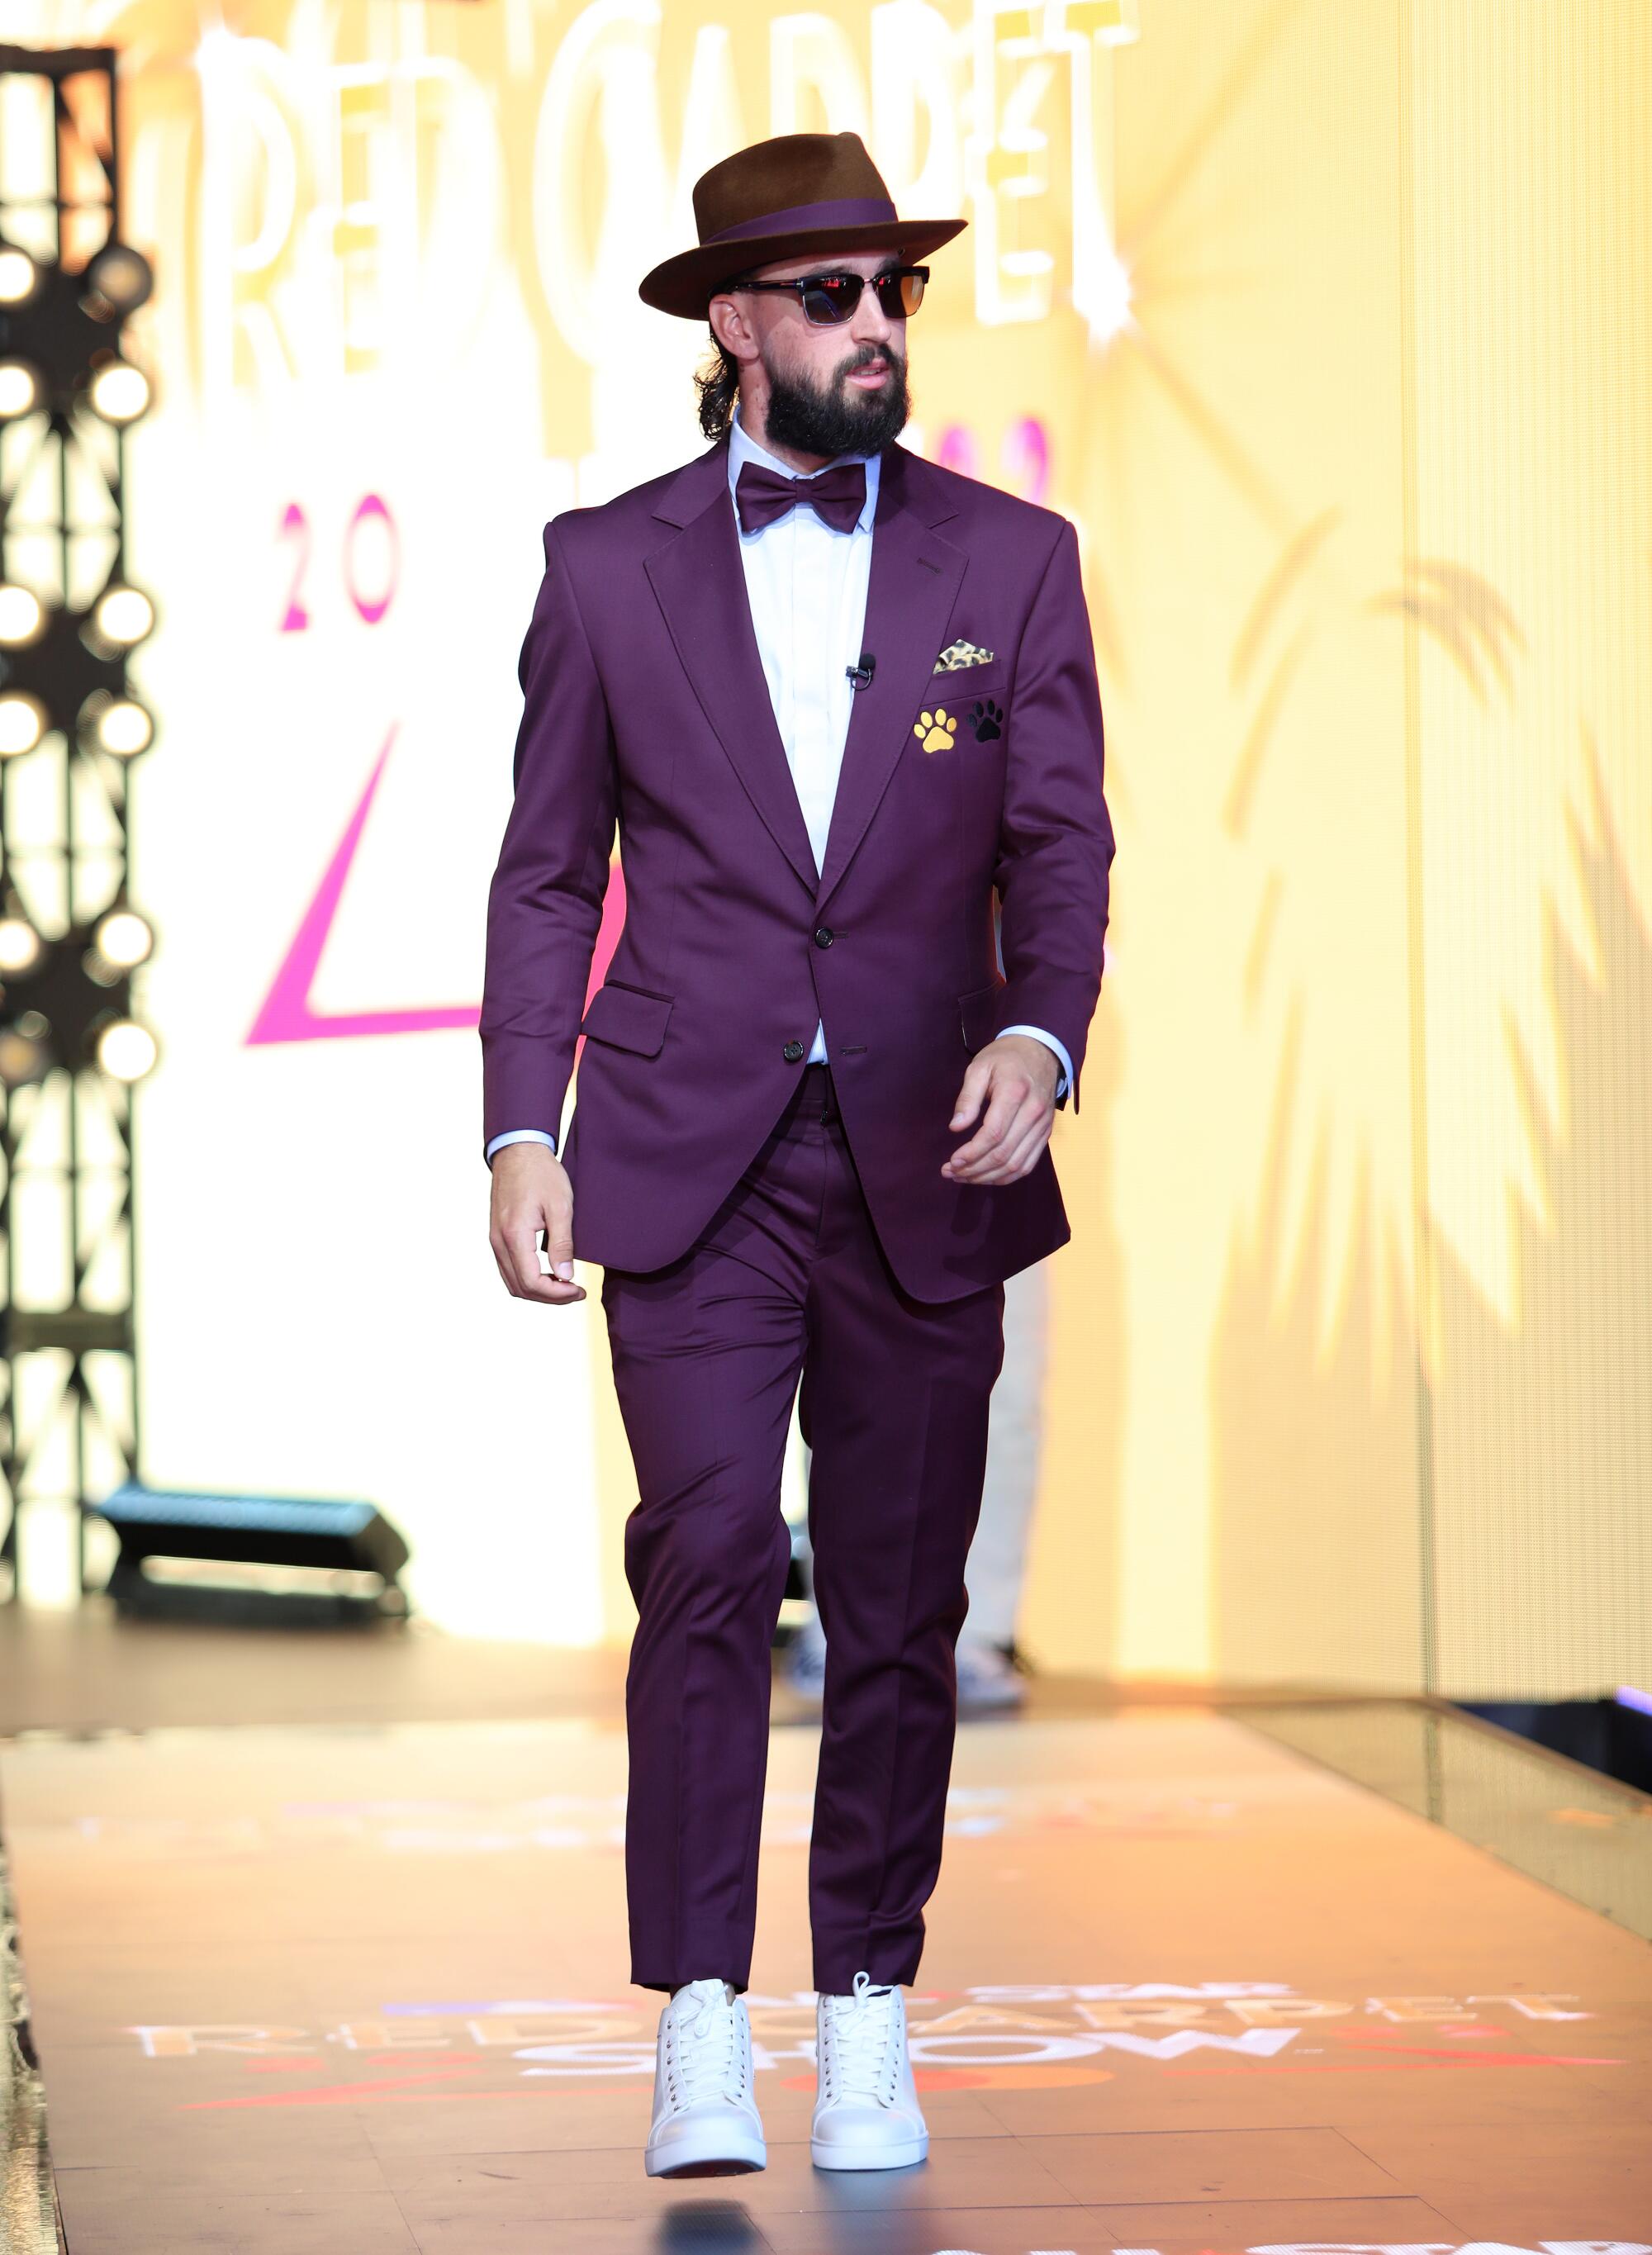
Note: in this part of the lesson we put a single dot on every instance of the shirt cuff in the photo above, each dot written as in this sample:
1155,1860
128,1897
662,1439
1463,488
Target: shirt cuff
520,1135
1049,1043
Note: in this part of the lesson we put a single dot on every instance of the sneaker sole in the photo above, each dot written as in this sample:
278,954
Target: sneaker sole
901,2156
715,2154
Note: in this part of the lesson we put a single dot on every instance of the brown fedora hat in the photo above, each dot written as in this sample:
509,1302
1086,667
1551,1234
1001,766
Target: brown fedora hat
797,192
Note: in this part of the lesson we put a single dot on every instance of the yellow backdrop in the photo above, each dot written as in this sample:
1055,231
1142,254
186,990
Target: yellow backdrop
1330,323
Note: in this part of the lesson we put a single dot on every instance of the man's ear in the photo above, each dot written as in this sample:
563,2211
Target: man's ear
730,328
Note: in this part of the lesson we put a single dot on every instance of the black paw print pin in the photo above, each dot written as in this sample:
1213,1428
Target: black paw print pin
985,718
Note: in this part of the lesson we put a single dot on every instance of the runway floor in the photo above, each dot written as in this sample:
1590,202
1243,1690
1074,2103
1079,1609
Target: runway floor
357,1989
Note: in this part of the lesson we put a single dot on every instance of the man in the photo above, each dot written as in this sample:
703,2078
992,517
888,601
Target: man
834,698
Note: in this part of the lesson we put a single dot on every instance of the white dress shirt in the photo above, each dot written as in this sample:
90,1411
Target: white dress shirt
807,584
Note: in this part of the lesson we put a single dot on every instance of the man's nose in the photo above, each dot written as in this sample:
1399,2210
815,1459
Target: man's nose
871,325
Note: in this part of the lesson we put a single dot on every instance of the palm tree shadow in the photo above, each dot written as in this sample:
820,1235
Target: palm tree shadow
1502,1547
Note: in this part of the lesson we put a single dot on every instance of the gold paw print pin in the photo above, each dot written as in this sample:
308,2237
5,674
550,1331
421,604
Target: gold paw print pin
936,731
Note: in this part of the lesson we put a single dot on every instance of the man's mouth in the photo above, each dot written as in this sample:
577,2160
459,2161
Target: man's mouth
871,375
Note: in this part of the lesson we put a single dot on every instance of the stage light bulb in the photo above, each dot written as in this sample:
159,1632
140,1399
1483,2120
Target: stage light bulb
19,388
20,946
22,615
20,275
119,392
121,616
122,938
125,1050
22,722
23,1058
124,727
121,276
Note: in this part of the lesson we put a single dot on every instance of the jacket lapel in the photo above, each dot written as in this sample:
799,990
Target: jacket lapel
913,585
700,585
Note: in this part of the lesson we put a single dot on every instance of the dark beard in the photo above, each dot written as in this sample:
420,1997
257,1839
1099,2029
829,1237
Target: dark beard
837,421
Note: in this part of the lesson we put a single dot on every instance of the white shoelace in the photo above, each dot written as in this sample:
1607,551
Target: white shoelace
702,2045
859,2043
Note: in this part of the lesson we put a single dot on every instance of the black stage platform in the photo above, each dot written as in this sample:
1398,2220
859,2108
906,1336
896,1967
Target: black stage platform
301,1986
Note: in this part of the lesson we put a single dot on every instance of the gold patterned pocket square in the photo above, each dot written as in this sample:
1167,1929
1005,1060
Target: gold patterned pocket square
957,654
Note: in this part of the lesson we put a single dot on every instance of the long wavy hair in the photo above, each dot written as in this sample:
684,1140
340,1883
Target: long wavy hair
717,381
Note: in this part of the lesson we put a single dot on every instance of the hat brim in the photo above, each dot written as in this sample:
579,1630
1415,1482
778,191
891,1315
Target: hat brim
687,283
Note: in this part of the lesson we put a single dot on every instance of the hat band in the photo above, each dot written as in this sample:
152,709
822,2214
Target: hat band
841,211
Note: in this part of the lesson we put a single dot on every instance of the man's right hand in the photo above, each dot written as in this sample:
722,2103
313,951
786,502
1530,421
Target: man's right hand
532,1192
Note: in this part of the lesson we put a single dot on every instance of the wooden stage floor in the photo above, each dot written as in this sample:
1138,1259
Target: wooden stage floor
360,1989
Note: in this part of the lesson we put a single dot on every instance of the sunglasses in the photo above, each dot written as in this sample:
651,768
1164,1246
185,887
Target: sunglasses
830,299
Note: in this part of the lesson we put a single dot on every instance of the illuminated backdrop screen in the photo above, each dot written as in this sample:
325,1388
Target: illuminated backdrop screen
1328,325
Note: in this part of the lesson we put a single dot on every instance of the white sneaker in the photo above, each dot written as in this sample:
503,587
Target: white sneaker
706,2121
865,2110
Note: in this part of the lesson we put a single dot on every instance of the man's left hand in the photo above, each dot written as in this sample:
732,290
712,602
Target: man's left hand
1016,1077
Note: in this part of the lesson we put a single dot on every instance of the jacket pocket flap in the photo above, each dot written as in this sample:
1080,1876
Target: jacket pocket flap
629,1018
977,1014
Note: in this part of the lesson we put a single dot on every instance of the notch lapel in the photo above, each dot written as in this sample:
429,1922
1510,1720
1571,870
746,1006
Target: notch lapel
911,588
700,585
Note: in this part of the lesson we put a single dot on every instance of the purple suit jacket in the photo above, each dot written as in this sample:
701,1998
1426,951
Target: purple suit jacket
646,708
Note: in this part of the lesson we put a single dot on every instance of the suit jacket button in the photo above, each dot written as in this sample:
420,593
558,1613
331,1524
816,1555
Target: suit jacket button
825,935
793,1051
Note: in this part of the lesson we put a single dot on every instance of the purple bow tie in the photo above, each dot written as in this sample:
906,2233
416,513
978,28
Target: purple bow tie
762,494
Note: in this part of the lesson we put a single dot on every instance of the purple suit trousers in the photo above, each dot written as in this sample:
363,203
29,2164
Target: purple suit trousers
788,1281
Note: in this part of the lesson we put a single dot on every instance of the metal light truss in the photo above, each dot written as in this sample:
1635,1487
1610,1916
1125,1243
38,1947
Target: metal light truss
68,1421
